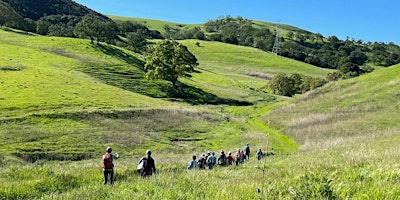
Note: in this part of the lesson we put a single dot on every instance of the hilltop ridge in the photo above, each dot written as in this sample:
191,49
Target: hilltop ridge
39,8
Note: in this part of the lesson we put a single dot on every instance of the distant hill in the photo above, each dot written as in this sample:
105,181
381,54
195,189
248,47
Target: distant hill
8,16
352,57
36,9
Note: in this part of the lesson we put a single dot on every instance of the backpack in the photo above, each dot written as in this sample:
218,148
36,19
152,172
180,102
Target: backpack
142,165
200,163
209,160
107,161
222,159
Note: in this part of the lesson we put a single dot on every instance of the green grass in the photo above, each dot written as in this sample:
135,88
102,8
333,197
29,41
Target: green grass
152,23
345,109
352,128
238,72
63,101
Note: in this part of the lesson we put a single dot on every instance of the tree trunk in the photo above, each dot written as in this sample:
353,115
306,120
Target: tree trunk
174,81
174,84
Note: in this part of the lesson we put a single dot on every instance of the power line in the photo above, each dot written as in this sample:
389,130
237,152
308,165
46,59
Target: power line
276,47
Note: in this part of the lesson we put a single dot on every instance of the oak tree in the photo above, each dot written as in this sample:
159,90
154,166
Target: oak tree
169,61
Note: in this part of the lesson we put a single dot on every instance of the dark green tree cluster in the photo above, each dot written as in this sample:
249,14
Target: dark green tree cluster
239,31
39,8
136,35
384,54
56,18
10,18
227,29
96,29
289,85
348,56
57,25
182,32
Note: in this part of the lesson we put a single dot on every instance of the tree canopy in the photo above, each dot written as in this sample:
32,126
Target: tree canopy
169,61
95,28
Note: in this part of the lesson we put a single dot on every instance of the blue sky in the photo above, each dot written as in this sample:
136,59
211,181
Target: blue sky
369,20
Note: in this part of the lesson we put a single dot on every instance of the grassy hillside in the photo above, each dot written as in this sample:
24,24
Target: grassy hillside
85,82
353,108
352,128
238,72
43,77
152,24
63,101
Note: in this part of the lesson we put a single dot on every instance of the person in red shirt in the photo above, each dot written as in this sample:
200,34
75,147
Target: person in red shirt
108,166
239,157
229,159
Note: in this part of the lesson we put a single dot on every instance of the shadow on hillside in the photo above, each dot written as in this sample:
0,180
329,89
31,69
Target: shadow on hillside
118,53
196,96
132,79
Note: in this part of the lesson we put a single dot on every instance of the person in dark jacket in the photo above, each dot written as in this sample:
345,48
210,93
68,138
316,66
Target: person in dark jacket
246,150
222,159
149,167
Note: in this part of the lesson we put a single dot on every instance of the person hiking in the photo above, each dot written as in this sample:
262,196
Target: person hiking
211,160
238,157
229,159
205,158
147,164
246,150
259,154
193,163
222,159
108,166
202,162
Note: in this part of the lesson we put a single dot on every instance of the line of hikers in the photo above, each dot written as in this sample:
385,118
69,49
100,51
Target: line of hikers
210,161
146,165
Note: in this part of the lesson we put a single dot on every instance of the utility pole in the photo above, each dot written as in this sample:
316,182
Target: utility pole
275,49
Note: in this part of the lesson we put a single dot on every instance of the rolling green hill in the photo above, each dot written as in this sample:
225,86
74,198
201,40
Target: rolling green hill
158,25
151,23
63,100
352,128
238,72
39,74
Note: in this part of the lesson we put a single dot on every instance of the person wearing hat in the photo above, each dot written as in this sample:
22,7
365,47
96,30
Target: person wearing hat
108,165
149,167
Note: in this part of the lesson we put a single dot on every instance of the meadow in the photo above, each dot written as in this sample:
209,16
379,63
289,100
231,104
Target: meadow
63,101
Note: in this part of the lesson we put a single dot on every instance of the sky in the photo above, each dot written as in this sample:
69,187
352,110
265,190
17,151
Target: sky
368,20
